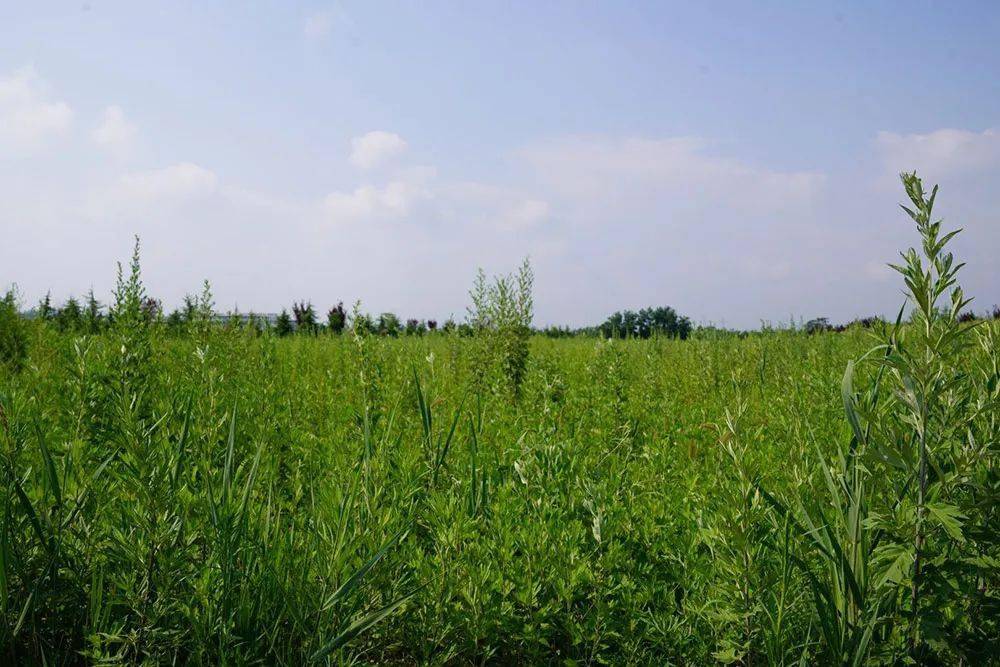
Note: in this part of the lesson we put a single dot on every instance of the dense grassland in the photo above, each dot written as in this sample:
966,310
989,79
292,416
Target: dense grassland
229,497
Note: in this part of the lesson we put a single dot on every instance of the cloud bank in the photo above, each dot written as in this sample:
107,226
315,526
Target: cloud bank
610,221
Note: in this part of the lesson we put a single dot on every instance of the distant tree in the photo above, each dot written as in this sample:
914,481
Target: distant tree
817,325
415,327
305,318
45,311
967,316
69,319
283,325
557,332
190,309
176,323
362,323
449,325
432,325
614,326
662,321
336,319
151,309
92,317
388,325
996,312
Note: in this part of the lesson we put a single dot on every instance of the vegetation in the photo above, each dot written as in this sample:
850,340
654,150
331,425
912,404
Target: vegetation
13,334
197,489
663,321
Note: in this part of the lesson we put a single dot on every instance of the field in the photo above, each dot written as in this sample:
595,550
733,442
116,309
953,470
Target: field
226,496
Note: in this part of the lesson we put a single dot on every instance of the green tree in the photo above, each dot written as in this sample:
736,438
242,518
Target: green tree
415,327
661,321
388,325
92,316
69,319
283,325
45,312
305,318
336,319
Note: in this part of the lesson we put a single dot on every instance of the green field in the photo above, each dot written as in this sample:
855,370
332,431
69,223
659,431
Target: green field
226,496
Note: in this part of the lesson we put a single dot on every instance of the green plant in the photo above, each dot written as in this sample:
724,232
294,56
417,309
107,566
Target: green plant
222,497
500,317
909,560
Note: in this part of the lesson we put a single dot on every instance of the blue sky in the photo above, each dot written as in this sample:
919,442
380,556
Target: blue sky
735,161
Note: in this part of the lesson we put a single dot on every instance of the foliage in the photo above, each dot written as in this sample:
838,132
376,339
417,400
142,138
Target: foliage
415,327
908,538
500,318
93,318
305,318
45,311
217,497
283,325
388,324
336,319
663,321
69,318
818,324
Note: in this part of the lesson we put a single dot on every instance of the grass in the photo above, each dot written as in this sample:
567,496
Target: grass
229,498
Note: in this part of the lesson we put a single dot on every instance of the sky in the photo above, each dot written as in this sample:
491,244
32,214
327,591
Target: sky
737,161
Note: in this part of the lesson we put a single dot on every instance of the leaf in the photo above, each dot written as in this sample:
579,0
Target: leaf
181,442
358,626
900,558
949,517
847,393
50,468
356,579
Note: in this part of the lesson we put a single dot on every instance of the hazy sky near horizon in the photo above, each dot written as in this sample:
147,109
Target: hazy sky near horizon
737,161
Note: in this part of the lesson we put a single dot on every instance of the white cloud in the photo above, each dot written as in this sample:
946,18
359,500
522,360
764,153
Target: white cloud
375,148
115,133
28,115
635,172
941,153
177,182
490,206
367,202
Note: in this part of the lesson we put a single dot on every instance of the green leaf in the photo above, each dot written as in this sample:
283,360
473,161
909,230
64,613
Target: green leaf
358,626
949,517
